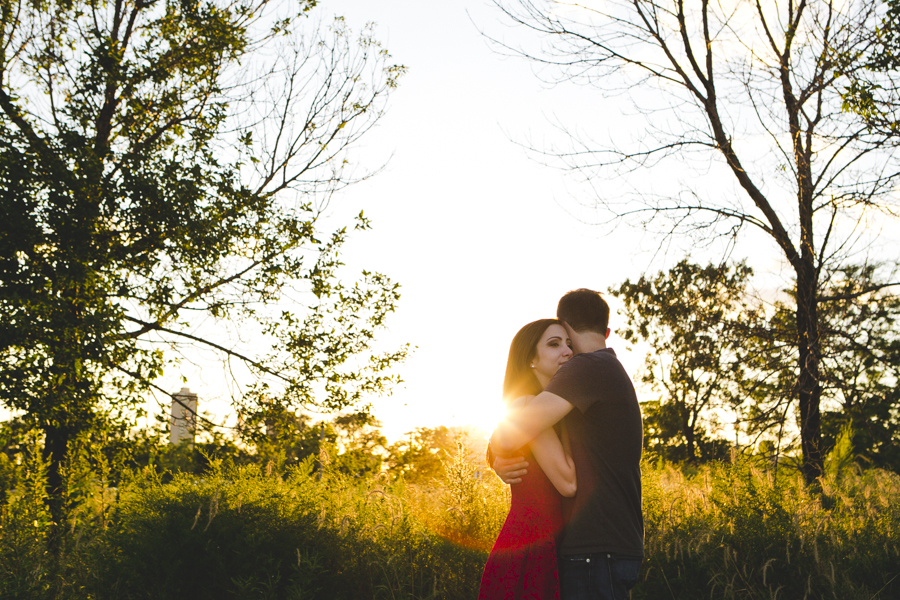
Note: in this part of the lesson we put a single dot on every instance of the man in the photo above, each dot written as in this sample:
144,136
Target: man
602,545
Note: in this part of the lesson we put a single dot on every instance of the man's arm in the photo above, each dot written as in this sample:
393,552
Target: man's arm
523,424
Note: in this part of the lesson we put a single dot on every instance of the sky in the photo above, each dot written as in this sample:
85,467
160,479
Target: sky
481,236
477,232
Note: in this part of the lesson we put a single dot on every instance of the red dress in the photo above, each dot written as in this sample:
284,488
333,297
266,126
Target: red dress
522,564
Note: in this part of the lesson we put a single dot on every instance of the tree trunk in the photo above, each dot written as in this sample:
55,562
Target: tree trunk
809,390
687,430
691,446
56,444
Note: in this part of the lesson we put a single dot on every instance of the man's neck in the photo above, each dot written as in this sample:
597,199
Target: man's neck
591,342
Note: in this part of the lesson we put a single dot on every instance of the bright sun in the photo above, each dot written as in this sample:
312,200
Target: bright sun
486,414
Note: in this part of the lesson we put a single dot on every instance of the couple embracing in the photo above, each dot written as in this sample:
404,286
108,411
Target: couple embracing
570,446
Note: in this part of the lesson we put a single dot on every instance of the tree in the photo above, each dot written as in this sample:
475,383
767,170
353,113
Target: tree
873,91
351,443
860,368
419,457
714,346
688,318
422,456
749,91
165,165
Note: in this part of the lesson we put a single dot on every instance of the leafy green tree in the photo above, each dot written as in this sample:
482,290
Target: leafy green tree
862,368
687,318
164,164
350,443
419,457
13,451
664,436
362,445
712,347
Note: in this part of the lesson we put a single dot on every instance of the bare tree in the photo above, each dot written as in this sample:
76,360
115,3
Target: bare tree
749,89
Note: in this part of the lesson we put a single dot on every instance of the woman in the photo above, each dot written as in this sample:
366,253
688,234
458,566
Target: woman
522,564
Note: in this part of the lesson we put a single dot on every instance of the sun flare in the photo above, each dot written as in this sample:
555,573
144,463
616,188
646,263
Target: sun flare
487,414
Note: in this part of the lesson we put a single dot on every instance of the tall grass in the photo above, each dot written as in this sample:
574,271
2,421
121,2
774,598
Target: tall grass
724,531
740,532
249,532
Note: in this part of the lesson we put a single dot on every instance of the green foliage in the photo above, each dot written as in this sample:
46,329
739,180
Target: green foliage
239,532
859,366
664,438
841,456
350,443
688,317
25,561
470,515
714,350
872,91
147,181
421,455
742,531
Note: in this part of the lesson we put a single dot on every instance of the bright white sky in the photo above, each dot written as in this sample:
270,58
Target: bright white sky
474,230
479,235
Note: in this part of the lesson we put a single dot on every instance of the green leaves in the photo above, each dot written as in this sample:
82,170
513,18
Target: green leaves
163,164
712,347
688,319
872,91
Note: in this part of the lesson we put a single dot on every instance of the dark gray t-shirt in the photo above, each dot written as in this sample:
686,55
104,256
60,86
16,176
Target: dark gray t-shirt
606,434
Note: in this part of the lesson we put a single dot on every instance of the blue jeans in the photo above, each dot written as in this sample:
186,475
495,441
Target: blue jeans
598,576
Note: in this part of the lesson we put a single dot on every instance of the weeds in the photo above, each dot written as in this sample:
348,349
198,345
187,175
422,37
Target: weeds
737,532
722,531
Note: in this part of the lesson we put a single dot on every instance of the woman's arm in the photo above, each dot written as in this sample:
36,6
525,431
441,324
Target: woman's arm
555,460
524,423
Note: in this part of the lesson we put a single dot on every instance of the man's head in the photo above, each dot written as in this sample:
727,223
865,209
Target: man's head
585,315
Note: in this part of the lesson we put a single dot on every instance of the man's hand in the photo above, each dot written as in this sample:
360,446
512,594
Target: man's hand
511,469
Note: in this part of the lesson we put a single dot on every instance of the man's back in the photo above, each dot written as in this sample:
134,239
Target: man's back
607,435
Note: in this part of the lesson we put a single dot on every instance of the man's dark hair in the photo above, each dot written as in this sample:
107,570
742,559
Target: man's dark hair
584,310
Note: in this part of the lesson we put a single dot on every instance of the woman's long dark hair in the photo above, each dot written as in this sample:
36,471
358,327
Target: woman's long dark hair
520,379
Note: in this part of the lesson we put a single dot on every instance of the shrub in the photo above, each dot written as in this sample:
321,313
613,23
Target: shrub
244,533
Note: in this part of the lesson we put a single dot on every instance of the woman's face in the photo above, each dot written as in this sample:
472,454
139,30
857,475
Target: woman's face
552,350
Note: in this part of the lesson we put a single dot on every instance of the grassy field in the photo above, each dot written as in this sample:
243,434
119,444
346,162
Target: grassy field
722,531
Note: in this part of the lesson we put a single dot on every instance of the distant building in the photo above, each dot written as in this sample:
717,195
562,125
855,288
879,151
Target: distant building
183,422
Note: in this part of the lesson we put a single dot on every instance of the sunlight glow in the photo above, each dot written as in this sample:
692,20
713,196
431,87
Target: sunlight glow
486,416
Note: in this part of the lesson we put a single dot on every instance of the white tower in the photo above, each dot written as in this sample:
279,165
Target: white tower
183,422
